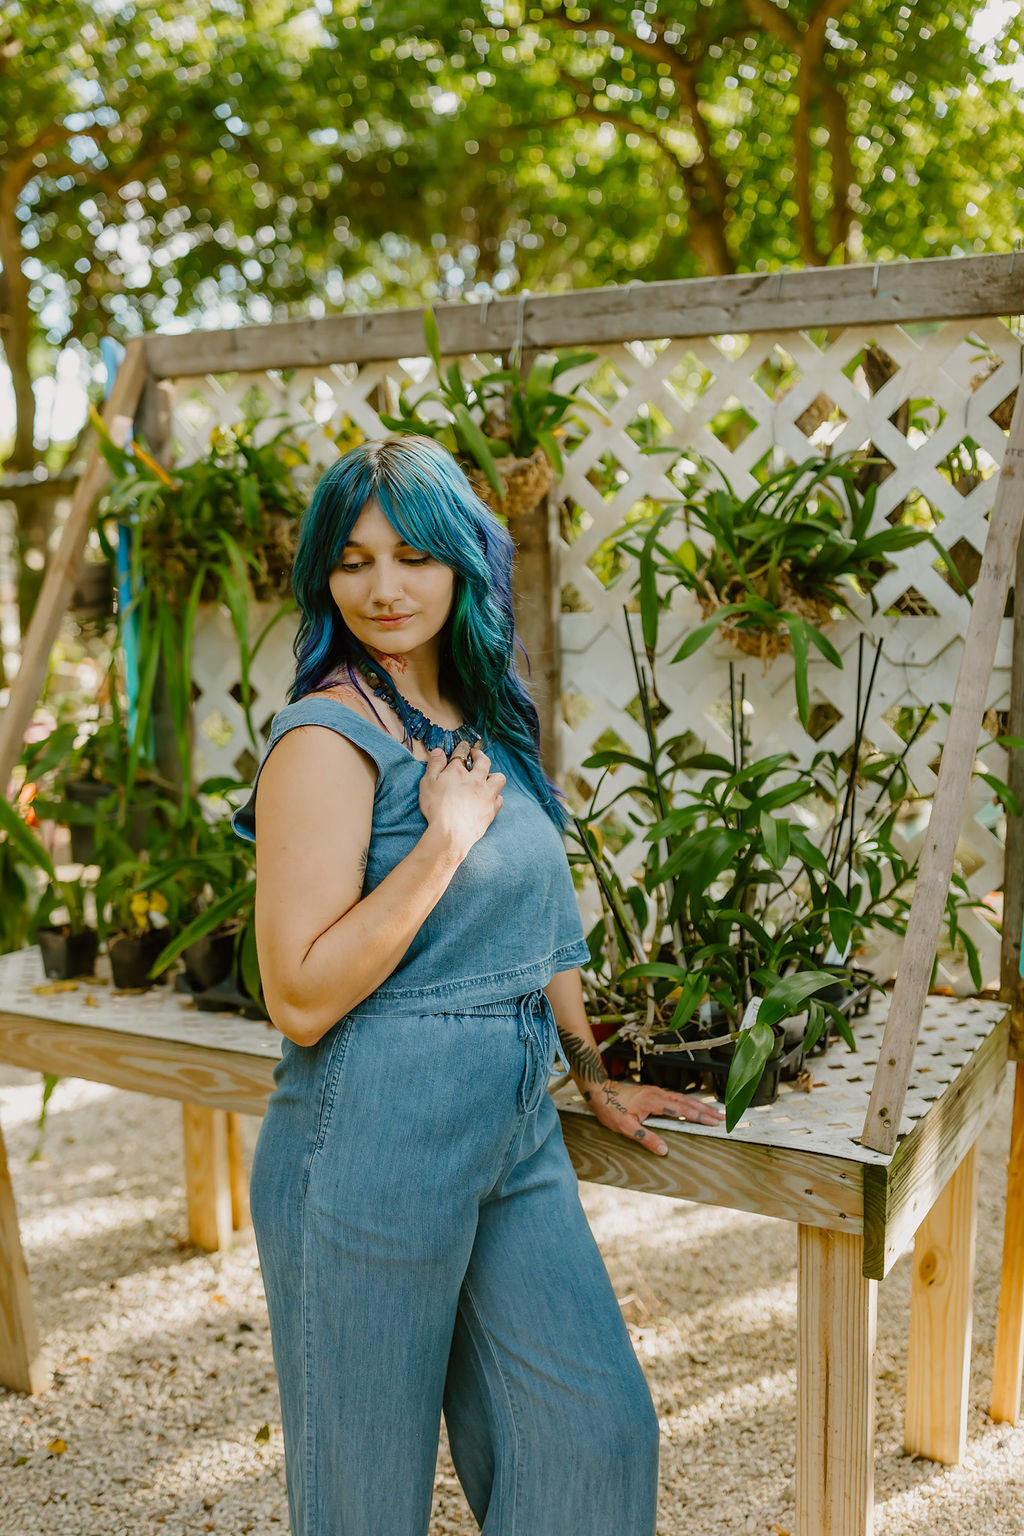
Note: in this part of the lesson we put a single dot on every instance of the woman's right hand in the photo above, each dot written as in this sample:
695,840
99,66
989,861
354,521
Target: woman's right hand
458,803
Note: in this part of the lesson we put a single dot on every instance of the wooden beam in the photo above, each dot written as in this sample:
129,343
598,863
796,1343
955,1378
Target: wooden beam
1008,1365
773,1181
941,1312
21,1364
62,571
924,924
835,1387
933,289
207,1177
170,1069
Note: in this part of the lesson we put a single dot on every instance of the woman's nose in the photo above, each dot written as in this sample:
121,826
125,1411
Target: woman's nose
386,583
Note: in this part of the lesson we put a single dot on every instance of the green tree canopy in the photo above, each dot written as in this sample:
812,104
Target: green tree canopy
175,160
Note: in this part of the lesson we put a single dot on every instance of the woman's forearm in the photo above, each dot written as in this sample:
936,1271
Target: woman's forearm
565,994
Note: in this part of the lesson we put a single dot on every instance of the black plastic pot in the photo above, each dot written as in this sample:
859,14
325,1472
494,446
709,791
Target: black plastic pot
93,594
131,956
228,995
66,954
767,1090
209,960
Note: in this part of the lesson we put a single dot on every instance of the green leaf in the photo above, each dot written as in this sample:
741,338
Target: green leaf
788,992
20,837
753,1048
840,922
776,840
696,638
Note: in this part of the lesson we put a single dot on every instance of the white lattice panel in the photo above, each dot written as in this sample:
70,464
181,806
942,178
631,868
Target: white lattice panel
666,395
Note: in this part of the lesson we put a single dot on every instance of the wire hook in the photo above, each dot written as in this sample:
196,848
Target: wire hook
874,279
1013,254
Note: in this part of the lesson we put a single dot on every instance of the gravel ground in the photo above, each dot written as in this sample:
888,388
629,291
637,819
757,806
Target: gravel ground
163,1414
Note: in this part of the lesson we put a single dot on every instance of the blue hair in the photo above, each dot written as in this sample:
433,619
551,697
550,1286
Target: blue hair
426,497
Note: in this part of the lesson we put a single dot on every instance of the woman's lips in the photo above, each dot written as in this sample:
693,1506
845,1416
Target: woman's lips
399,618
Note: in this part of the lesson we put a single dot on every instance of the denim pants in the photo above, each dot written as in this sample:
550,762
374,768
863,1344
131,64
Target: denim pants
423,1248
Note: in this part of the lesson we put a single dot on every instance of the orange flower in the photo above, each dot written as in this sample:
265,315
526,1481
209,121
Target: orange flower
25,798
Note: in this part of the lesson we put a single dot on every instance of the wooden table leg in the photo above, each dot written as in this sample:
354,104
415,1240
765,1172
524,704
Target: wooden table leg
835,1386
207,1177
240,1218
21,1364
941,1310
1009,1359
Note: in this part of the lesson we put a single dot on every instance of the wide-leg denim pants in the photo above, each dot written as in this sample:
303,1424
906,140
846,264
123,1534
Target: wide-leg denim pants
423,1247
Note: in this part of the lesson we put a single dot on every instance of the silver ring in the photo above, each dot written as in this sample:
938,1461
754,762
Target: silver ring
468,760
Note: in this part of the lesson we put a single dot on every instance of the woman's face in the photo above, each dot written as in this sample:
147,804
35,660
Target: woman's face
378,575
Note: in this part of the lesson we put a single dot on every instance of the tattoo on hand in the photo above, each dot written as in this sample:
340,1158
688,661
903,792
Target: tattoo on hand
584,1061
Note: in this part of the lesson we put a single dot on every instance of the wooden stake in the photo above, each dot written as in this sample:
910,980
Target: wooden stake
1009,1357
59,581
885,1108
941,1311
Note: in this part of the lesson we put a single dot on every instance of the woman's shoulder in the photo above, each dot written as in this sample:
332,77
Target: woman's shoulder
343,693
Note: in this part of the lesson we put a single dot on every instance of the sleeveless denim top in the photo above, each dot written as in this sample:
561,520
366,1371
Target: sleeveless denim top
508,920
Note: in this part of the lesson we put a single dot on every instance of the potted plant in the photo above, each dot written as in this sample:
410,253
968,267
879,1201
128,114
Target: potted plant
735,929
771,569
67,943
217,942
502,426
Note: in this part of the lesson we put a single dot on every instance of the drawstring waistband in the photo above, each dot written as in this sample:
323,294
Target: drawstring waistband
539,1032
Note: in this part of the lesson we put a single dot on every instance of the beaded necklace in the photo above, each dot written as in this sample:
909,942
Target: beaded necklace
417,723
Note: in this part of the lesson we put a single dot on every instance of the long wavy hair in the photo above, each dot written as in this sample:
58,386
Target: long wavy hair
427,499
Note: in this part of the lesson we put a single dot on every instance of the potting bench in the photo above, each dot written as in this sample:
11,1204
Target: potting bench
800,1159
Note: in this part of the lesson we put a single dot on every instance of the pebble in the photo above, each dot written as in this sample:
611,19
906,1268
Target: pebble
163,1394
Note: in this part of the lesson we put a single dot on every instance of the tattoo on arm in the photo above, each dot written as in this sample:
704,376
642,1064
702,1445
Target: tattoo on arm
362,866
583,1060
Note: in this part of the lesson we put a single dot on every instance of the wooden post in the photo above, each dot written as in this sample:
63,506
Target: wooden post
1009,1356
1011,982
21,1364
538,604
207,1177
835,1386
941,1311
62,571
889,1090
240,1217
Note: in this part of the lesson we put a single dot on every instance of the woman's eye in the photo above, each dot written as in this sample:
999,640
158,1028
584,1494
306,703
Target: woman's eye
419,560
350,567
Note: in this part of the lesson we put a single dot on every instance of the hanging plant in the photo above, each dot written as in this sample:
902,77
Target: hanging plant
503,427
775,568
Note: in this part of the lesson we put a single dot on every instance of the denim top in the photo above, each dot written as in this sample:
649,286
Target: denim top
507,922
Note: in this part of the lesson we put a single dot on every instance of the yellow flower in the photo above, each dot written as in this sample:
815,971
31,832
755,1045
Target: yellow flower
158,902
139,904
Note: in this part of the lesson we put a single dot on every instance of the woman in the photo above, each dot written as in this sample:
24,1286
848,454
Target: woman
419,1229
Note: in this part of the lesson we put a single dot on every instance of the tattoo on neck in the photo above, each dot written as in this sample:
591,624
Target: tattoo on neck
584,1061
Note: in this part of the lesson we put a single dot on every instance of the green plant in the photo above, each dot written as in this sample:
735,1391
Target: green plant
752,881
774,565
498,415
24,852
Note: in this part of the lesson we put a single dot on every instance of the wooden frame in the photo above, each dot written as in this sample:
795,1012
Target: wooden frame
892,1206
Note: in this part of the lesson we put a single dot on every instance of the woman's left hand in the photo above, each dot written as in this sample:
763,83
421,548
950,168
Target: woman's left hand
623,1107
